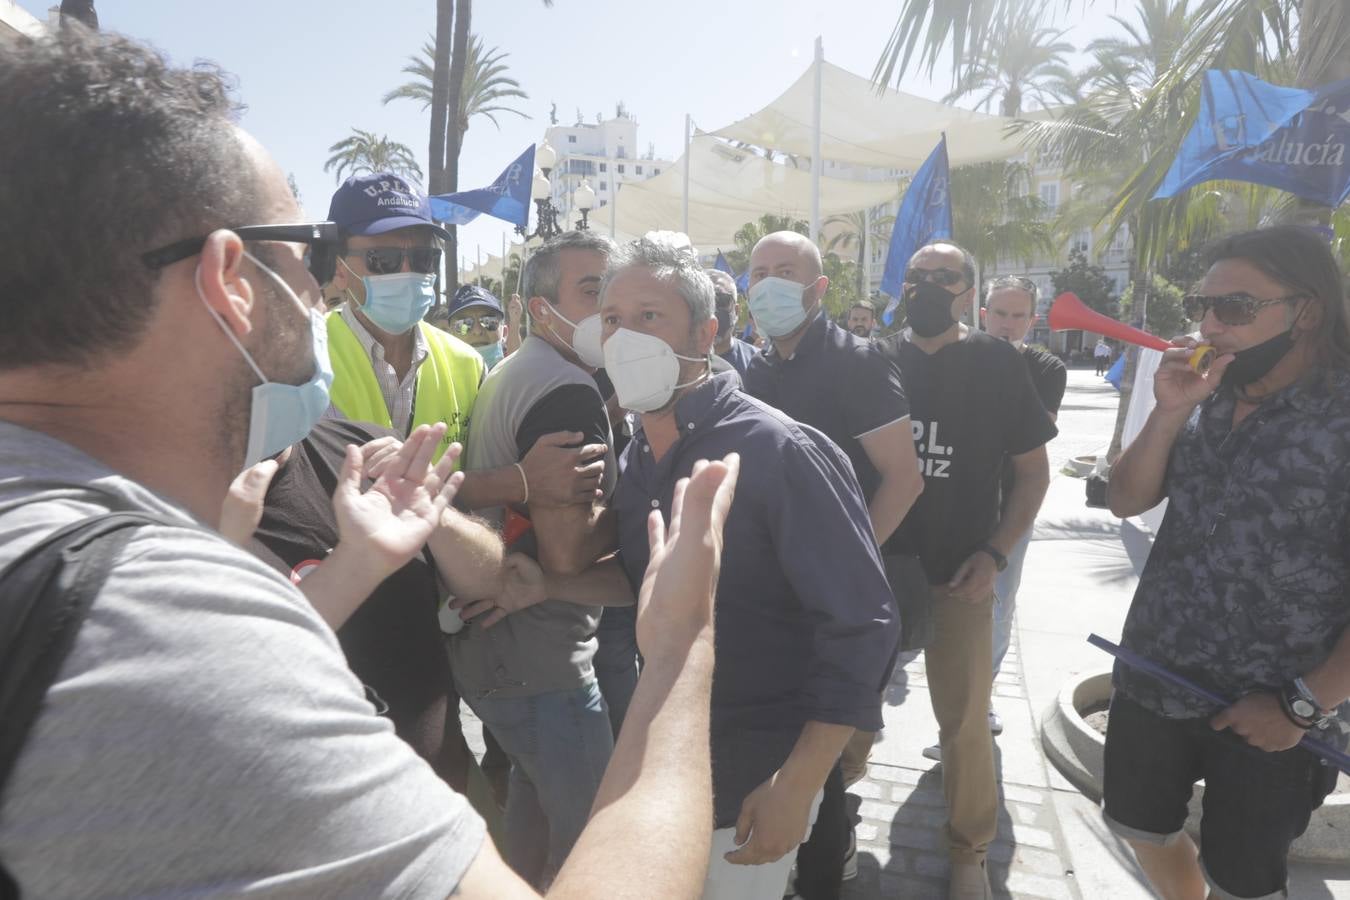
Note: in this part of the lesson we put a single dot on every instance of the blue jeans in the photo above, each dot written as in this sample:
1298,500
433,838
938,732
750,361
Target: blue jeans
559,744
616,660
1005,598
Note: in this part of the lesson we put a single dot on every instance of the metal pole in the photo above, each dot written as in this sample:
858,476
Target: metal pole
613,212
688,137
815,142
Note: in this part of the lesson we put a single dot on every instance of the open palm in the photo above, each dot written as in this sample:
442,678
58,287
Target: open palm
392,519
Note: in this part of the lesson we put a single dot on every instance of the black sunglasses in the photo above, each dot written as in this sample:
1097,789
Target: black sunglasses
944,277
462,327
387,260
322,238
1230,309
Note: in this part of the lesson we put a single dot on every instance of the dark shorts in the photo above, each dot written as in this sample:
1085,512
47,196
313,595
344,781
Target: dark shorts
1255,803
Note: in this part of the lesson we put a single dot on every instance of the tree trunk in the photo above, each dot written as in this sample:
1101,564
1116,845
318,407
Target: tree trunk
440,97
454,136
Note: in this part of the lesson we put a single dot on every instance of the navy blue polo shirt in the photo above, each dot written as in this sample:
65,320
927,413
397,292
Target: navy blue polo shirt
806,624
837,382
739,354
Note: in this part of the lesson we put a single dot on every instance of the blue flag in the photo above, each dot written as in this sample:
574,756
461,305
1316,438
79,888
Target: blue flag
722,265
743,282
506,198
1282,137
925,215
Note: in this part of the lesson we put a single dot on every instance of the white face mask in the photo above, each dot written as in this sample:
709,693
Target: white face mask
585,338
644,369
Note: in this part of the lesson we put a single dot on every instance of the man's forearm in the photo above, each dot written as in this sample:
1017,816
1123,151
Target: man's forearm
468,556
660,763
1028,492
603,584
892,501
340,584
814,755
1330,681
1137,477
491,487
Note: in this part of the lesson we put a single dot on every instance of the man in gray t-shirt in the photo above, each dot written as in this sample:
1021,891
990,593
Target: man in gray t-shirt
530,677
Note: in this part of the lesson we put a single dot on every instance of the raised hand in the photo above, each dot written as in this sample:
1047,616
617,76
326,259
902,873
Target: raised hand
1176,386
391,521
243,507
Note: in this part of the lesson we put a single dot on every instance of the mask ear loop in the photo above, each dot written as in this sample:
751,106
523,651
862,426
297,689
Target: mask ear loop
347,290
201,295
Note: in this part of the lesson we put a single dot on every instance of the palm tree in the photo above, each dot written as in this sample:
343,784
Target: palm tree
852,228
995,218
486,84
362,152
749,234
1021,60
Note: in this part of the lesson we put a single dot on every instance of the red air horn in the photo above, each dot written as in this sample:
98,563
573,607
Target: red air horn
1069,313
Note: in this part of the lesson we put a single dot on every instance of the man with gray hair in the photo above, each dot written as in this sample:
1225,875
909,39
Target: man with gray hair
1008,314
806,622
530,678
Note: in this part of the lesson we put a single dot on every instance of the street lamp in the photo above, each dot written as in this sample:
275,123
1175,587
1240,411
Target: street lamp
541,191
583,198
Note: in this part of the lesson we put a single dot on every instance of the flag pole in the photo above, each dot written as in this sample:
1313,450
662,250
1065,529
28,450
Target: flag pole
688,137
815,141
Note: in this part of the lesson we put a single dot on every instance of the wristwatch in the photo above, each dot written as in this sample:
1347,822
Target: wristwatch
1000,561
1300,705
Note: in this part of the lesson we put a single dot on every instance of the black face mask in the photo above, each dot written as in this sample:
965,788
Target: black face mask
723,322
1253,363
928,308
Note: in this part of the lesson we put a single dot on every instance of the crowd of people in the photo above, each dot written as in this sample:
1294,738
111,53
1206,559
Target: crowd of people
270,514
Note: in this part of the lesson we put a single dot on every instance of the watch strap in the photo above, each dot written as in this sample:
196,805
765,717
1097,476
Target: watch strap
1000,561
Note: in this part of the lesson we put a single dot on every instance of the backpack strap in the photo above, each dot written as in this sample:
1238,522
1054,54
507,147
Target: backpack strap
45,596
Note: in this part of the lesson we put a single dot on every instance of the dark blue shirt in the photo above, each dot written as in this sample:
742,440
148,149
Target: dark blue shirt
806,624
837,382
739,354
1247,583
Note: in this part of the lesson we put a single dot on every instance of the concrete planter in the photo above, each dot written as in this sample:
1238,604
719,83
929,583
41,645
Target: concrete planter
1076,750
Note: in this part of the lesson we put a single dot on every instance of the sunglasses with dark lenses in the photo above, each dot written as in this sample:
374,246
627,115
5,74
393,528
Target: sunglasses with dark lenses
1230,309
387,260
944,277
321,238
462,327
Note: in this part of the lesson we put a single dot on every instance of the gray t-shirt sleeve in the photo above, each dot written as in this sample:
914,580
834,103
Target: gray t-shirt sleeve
206,738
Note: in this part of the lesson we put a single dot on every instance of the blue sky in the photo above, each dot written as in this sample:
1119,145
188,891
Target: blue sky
310,70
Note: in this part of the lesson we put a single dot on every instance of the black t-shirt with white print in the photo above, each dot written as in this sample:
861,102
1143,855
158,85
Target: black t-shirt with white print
971,404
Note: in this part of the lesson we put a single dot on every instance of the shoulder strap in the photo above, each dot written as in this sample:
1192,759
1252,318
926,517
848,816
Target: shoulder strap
44,597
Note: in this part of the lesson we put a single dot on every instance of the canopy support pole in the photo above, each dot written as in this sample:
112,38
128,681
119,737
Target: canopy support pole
815,142
688,137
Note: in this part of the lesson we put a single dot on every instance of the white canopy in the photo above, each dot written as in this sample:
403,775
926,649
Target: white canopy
860,125
728,187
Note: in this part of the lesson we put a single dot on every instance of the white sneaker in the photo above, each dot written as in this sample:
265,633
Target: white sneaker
995,723
933,752
851,858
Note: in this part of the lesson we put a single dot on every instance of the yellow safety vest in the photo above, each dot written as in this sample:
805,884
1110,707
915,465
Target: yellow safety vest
447,382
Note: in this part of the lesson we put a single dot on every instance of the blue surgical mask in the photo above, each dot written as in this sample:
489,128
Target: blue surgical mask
492,353
281,413
396,303
776,304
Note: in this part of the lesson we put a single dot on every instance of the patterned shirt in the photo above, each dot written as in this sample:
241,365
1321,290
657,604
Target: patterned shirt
1248,583
398,395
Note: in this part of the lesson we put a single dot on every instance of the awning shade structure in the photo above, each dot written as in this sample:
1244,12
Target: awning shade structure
728,187
858,125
